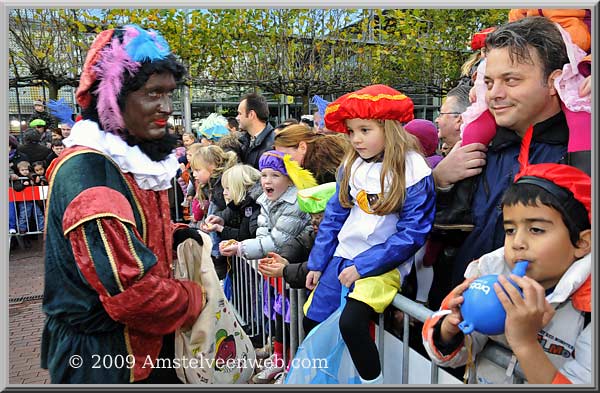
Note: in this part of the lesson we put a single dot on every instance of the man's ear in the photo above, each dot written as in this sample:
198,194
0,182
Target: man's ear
584,244
555,74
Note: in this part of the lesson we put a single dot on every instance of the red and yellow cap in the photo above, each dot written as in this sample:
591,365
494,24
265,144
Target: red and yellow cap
378,102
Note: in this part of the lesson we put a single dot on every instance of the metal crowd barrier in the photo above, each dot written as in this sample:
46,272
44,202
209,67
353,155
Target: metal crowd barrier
248,293
25,207
250,290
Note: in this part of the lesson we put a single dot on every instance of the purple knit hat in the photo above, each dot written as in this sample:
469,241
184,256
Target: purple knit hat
272,159
426,132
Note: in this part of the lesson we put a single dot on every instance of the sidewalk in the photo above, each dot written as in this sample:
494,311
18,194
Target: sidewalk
26,320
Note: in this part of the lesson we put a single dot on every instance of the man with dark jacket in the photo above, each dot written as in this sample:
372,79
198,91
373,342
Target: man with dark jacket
32,148
523,60
258,136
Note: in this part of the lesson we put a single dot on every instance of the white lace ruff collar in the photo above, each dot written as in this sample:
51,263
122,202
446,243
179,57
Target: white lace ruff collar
148,174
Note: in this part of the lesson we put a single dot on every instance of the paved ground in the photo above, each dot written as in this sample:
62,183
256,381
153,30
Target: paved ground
26,320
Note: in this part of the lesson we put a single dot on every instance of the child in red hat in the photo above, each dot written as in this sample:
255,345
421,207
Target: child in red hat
547,221
378,218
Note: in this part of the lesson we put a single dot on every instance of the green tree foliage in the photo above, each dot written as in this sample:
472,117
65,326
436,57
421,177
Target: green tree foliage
297,52
48,46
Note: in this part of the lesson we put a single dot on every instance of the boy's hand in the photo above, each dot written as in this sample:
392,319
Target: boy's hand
272,265
525,316
450,323
312,278
348,276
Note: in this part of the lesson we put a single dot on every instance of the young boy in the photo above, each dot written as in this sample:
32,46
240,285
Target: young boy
547,215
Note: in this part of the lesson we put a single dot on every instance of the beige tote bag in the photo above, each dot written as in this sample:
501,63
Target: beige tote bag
216,350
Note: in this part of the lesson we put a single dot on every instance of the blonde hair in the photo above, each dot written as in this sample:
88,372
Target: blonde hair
23,165
193,149
238,179
467,69
213,155
398,143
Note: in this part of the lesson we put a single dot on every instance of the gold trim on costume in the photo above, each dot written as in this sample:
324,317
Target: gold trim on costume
144,232
111,258
139,208
135,255
99,215
51,182
396,97
129,352
87,247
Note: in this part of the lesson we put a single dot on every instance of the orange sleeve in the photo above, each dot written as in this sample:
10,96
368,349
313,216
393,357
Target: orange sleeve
560,379
516,14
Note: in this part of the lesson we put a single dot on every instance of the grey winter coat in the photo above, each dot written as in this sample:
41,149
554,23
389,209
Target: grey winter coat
279,222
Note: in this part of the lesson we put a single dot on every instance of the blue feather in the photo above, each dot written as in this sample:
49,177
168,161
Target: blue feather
62,111
321,105
146,46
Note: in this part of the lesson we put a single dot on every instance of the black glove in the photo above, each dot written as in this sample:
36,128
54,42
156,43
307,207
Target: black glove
181,235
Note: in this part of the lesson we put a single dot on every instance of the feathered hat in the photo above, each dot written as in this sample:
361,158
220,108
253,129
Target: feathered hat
278,161
571,186
62,111
378,102
214,127
113,53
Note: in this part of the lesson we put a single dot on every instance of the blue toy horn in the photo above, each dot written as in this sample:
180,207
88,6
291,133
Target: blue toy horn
481,310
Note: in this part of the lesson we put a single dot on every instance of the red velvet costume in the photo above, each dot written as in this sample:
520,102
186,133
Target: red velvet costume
109,289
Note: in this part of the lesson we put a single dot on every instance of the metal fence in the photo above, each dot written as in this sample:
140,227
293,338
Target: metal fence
248,293
26,209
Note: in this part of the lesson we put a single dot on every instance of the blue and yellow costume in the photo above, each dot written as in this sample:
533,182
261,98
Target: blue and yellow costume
380,246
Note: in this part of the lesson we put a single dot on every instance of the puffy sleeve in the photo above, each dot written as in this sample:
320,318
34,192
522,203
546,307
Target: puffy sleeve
448,357
288,225
115,262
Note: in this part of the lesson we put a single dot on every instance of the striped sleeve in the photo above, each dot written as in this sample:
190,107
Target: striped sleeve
117,264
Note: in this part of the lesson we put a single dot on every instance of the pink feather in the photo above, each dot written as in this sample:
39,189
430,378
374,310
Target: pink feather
110,70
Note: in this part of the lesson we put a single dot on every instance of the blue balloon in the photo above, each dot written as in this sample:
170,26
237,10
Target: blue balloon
481,309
